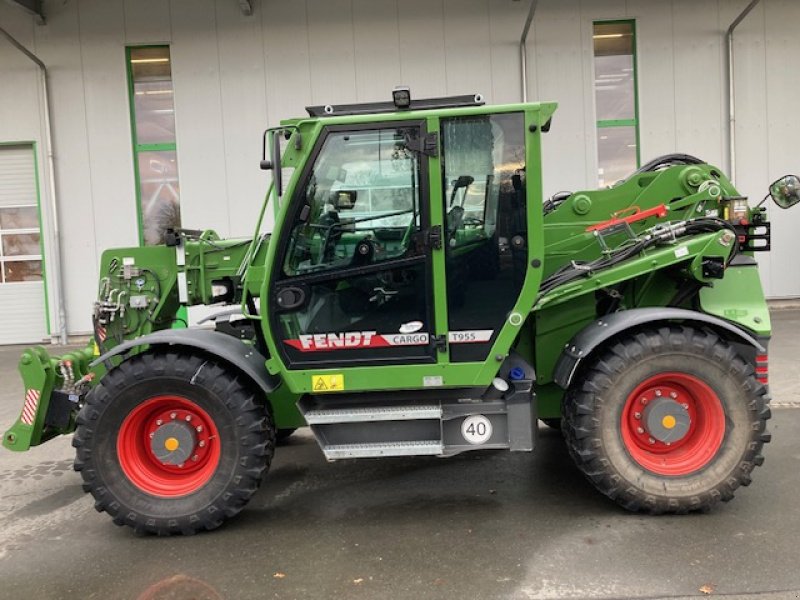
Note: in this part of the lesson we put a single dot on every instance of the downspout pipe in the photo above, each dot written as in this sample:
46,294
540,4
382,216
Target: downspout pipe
731,89
523,51
55,266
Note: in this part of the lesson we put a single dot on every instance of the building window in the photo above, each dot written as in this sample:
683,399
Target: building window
615,91
153,129
20,246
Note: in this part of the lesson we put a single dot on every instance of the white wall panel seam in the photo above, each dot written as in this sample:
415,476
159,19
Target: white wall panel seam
674,76
88,137
771,273
222,121
590,137
355,50
262,11
489,94
399,46
308,43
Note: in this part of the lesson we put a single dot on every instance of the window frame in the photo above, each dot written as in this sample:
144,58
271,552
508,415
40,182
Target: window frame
40,230
277,278
278,275
610,123
140,148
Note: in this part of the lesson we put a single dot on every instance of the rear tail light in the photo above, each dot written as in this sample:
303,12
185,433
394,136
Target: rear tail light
762,368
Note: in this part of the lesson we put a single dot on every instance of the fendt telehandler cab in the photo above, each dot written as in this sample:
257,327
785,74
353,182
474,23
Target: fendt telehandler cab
418,296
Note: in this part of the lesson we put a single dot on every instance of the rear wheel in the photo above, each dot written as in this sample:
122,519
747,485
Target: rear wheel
667,421
172,443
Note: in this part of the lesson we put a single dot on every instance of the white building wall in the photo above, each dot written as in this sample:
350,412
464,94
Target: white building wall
235,75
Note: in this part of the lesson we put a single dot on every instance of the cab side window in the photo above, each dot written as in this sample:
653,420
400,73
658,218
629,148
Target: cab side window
483,188
360,205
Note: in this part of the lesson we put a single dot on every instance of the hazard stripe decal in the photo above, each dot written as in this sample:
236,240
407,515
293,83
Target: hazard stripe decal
30,406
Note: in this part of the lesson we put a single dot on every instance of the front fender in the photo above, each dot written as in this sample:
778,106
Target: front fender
598,331
246,359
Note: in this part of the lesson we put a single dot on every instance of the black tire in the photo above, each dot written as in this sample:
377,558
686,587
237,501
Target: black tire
283,434
246,436
593,420
552,423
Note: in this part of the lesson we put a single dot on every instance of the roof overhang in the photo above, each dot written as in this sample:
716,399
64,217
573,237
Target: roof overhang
32,7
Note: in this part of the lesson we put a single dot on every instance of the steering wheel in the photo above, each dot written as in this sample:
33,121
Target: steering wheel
455,220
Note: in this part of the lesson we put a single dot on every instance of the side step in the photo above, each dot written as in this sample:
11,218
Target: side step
372,413
375,450
440,422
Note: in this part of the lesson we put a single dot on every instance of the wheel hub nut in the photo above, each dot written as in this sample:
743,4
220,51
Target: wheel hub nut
173,443
666,421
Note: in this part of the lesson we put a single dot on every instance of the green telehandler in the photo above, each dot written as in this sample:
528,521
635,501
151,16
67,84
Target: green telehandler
419,296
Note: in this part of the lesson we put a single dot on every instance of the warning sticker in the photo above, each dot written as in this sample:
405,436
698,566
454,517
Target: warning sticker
327,383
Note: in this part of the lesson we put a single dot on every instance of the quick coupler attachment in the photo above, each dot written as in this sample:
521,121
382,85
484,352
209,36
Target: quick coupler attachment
53,393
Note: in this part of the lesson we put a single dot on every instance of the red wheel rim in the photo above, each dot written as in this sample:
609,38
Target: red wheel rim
692,451
145,469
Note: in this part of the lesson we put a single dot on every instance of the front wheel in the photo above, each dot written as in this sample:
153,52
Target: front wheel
172,443
668,421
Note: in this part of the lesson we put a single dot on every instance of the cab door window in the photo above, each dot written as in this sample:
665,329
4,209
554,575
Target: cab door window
360,203
354,283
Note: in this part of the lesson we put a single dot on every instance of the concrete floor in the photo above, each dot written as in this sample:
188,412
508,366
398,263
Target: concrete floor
480,525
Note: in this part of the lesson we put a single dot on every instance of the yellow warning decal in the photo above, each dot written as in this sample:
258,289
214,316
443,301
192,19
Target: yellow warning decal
96,351
327,383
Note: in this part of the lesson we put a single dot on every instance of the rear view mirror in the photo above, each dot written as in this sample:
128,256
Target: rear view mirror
786,191
343,199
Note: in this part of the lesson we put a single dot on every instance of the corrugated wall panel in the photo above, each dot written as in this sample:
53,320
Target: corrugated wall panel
376,39
331,51
244,112
422,50
698,80
58,45
108,130
147,22
338,51
782,57
560,73
752,143
655,51
466,42
505,27
286,55
199,116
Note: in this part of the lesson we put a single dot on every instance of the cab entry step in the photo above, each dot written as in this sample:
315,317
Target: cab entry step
438,423
421,448
373,413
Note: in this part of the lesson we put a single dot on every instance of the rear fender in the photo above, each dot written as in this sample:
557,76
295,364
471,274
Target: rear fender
581,346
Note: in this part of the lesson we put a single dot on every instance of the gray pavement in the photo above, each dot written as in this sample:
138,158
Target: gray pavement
480,525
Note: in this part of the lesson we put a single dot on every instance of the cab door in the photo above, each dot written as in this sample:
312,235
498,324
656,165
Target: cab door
351,285
483,161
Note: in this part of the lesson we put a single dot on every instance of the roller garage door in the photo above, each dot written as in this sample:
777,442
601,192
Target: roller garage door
22,296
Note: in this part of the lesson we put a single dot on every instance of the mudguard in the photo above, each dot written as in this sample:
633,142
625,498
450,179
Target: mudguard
228,349
600,330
